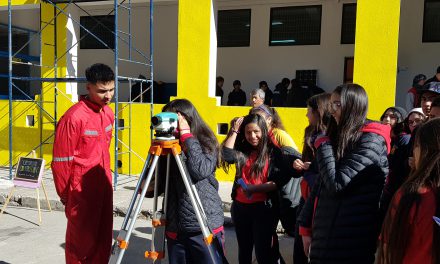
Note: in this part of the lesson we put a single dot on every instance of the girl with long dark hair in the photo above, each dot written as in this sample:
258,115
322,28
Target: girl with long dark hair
353,165
261,168
409,233
318,115
200,155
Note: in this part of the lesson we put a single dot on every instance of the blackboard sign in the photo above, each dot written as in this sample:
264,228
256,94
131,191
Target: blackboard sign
29,169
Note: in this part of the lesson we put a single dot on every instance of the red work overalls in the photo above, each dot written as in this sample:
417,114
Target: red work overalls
82,176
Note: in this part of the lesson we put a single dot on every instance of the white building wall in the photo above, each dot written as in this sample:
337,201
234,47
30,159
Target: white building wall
271,63
165,44
414,56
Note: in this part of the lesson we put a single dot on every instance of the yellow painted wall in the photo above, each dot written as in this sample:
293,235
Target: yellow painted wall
19,2
376,50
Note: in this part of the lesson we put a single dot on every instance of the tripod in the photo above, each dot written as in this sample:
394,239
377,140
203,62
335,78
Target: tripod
159,148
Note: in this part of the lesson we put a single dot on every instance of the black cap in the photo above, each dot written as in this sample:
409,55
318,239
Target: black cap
431,87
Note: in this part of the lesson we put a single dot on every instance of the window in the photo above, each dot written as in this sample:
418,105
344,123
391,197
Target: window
234,28
297,25
306,77
348,28
431,21
102,27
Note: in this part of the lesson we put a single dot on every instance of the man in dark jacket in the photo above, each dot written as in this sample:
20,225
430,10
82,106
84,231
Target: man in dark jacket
237,97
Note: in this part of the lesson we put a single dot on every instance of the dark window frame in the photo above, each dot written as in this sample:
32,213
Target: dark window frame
247,43
90,42
344,14
424,37
294,43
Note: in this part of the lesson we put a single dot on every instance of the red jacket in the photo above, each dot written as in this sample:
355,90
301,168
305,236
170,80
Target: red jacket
82,141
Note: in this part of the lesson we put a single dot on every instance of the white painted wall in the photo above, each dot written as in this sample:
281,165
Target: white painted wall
414,56
271,63
165,44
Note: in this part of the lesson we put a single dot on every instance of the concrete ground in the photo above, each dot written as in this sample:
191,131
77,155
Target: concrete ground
24,241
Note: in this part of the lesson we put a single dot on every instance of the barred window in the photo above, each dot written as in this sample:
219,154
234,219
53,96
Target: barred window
295,25
348,28
431,21
102,27
234,28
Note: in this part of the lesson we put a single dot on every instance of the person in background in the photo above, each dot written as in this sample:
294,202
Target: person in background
429,92
318,115
200,148
393,115
398,157
257,97
353,165
409,233
435,108
81,169
436,77
237,97
415,118
412,96
277,133
280,93
261,169
219,87
268,93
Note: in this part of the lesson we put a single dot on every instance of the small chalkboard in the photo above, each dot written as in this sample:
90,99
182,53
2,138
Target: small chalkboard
29,169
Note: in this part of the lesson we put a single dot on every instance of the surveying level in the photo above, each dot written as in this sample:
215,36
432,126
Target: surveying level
159,147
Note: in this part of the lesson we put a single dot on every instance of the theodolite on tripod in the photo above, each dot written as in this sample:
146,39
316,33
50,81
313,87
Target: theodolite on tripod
164,144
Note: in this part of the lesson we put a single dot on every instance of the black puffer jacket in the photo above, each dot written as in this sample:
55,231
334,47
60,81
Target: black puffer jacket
346,220
201,169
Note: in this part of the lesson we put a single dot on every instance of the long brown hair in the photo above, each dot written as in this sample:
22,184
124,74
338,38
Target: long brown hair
354,108
320,107
263,149
397,225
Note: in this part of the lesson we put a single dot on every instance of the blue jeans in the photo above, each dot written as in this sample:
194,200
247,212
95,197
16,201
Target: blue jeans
191,248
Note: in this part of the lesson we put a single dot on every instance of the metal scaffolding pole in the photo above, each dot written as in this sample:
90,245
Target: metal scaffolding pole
56,79
10,84
151,67
115,172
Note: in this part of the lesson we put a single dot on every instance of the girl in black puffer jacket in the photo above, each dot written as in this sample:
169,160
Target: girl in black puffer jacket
353,165
200,156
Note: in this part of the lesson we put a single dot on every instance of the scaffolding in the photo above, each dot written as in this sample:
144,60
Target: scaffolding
118,34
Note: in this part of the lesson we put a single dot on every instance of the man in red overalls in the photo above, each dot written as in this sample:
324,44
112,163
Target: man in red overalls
81,169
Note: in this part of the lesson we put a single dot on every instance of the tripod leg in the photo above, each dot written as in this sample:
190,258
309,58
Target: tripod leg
157,252
198,209
121,242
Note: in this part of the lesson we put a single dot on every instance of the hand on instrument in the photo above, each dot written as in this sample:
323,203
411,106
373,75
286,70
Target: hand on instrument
183,125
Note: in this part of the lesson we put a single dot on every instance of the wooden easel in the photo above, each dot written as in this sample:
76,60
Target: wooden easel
33,183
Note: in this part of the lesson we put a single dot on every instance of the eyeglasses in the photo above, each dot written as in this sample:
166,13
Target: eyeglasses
415,121
335,105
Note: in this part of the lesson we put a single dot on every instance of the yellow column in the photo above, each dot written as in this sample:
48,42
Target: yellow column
376,50
193,60
52,44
